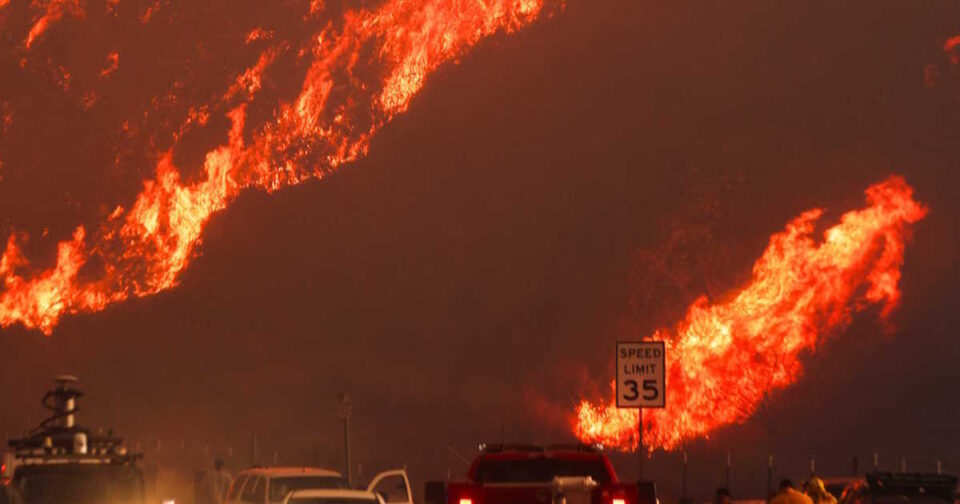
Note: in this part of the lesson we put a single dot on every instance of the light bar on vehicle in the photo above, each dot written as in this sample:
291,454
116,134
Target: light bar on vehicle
501,447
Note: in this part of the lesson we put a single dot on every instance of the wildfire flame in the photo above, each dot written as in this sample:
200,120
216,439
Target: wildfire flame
52,12
363,72
723,359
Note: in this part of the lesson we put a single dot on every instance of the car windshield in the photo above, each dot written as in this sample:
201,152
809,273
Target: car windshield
332,500
539,470
280,487
74,485
836,489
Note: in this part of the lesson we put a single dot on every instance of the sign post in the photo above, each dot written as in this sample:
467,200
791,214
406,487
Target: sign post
641,381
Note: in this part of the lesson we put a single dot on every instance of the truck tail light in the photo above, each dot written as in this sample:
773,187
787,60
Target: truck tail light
619,500
465,500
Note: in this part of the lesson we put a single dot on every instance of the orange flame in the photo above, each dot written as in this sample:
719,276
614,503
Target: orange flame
113,63
53,11
362,74
723,359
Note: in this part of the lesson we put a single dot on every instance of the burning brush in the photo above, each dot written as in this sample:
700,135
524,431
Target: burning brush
724,358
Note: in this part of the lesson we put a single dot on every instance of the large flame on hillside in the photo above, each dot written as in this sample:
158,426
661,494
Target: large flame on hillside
724,358
363,71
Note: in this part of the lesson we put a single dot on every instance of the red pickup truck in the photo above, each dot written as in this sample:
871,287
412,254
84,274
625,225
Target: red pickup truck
556,474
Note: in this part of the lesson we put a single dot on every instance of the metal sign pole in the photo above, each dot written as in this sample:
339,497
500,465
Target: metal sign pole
640,441
641,383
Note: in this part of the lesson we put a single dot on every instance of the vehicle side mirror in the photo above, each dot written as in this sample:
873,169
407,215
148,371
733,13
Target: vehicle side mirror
435,492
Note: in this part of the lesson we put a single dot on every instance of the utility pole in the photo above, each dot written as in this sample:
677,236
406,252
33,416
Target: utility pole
346,409
769,478
729,465
684,476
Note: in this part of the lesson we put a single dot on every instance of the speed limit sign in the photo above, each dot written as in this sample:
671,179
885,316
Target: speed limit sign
641,372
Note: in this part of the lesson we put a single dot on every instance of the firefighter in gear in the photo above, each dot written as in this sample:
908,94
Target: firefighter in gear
818,492
790,495
218,483
723,496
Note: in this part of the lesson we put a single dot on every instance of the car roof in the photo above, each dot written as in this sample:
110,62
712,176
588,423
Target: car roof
277,472
334,493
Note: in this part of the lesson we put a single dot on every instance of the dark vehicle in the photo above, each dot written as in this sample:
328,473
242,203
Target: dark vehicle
523,474
901,488
9,496
79,483
60,462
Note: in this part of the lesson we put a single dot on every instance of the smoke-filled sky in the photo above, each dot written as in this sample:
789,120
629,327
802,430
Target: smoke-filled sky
468,278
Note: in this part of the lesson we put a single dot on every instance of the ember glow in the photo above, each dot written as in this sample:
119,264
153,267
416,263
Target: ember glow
724,358
361,73
950,47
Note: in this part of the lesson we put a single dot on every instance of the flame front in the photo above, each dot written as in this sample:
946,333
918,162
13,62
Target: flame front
52,11
724,358
363,73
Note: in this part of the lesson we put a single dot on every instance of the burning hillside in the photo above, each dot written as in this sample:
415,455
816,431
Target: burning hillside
361,71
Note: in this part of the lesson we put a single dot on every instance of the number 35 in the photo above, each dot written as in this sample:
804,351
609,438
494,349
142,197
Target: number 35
650,390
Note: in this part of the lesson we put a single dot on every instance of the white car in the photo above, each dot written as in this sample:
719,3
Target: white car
391,487
270,485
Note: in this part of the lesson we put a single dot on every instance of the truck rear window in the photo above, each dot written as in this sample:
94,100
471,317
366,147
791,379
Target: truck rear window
280,487
539,470
331,500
